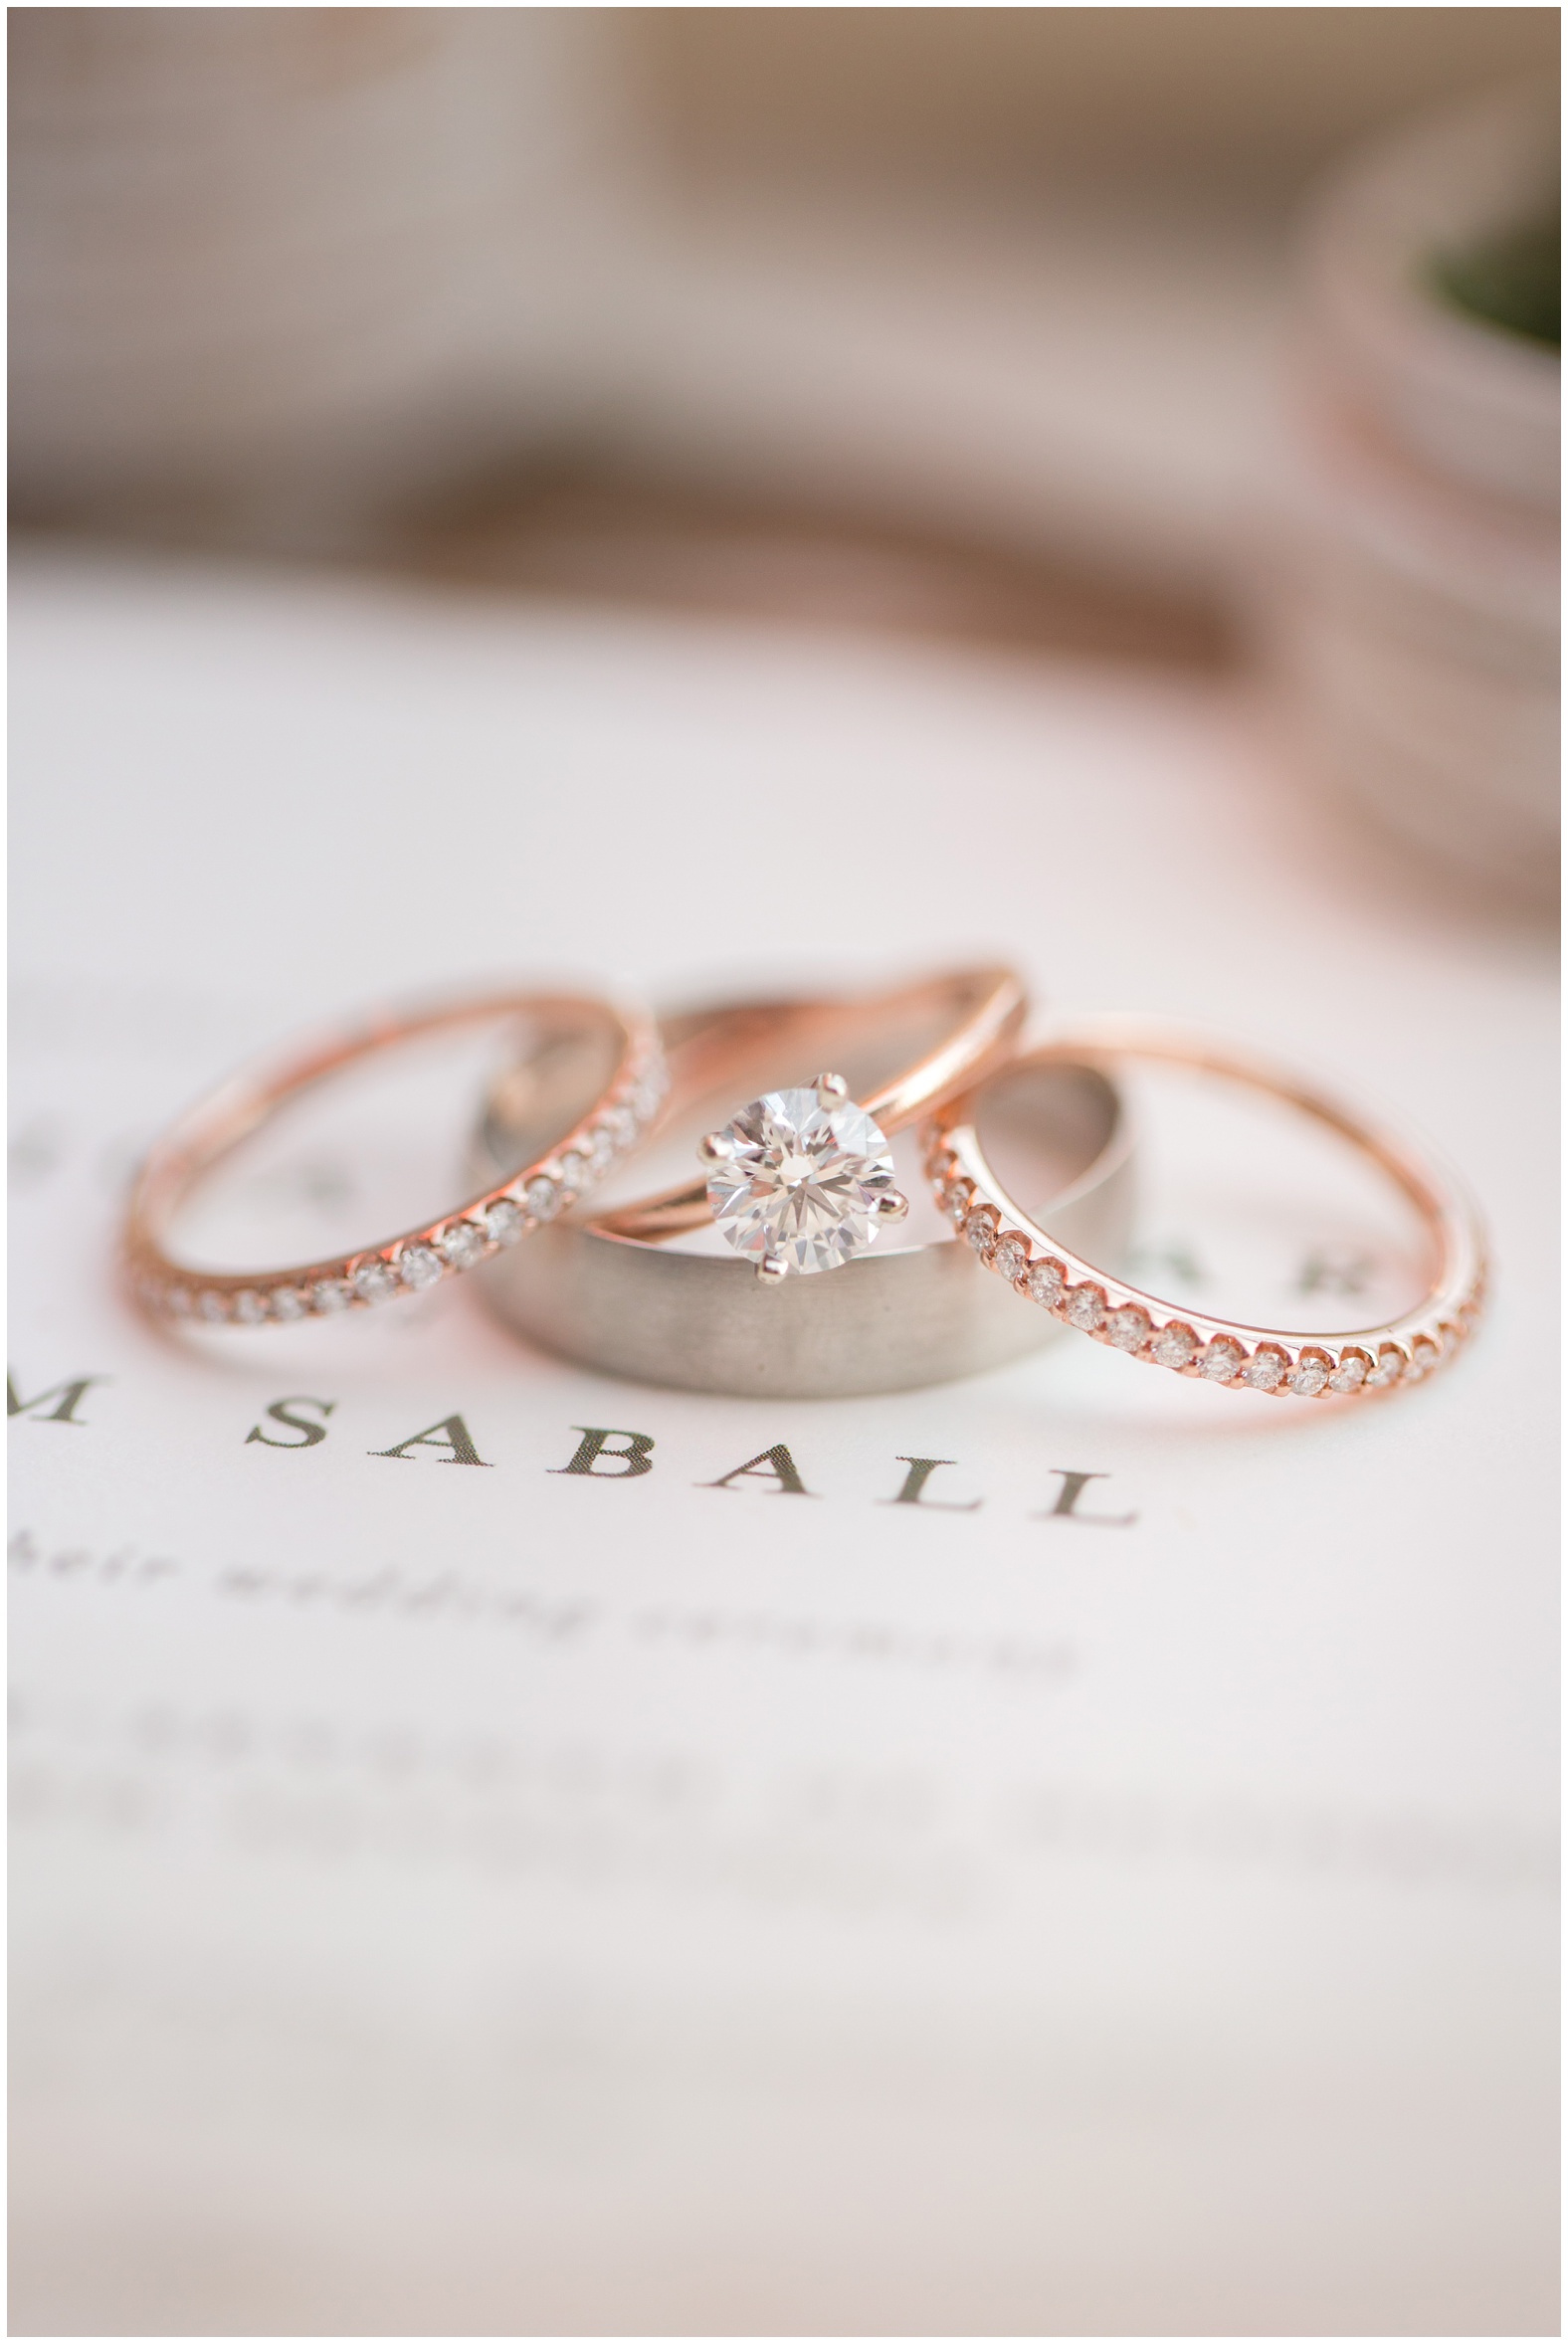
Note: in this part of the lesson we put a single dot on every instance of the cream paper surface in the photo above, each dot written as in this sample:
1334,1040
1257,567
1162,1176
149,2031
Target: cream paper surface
509,1901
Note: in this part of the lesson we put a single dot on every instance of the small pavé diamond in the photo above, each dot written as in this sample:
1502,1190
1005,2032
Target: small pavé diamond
1424,1356
1390,1367
288,1302
1174,1345
249,1307
980,1229
1046,1283
576,1173
649,1096
1220,1359
543,1198
180,1301
1350,1374
956,1202
1308,1375
1011,1259
461,1243
328,1295
213,1307
620,1124
1086,1308
375,1279
419,1265
1128,1328
503,1219
1264,1369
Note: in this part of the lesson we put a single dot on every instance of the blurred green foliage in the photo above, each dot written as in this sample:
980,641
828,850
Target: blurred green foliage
1512,280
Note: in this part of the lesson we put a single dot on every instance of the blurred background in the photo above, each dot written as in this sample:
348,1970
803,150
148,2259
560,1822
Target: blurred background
1206,337
666,497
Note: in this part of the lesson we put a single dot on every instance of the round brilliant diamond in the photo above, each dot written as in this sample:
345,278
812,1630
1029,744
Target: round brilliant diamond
802,1182
1174,1345
375,1279
1011,1259
1046,1283
1086,1308
461,1243
1128,1328
419,1265
328,1295
1350,1374
1264,1369
980,1229
1220,1359
504,1221
1308,1375
543,1198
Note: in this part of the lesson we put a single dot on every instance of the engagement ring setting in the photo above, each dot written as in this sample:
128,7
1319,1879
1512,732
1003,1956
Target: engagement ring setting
801,1180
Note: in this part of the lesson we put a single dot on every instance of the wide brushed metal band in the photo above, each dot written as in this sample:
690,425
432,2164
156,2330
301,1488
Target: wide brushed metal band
607,1290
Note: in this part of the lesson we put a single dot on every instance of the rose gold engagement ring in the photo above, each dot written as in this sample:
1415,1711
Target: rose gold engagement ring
818,1288
612,1092
1042,1269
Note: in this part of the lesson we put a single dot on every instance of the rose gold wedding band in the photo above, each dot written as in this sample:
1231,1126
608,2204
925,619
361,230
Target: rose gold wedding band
588,1143
1220,1350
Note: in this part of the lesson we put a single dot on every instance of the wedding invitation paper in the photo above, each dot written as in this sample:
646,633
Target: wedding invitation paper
498,1849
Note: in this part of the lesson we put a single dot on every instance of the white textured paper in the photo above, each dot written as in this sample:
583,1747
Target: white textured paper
504,1900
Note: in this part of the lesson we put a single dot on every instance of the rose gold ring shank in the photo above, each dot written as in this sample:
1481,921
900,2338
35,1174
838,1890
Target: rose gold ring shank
627,1105
1189,1342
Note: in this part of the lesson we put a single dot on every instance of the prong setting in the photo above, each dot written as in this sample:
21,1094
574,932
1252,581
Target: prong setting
801,1180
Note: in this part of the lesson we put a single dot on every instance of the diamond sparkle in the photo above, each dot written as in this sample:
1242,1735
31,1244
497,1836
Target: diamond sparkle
419,1265
800,1182
1046,1282
1086,1308
461,1243
980,1229
1174,1347
503,1222
1128,1328
543,1198
1011,1259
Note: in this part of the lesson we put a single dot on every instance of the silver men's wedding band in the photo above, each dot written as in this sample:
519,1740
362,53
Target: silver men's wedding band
605,1288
